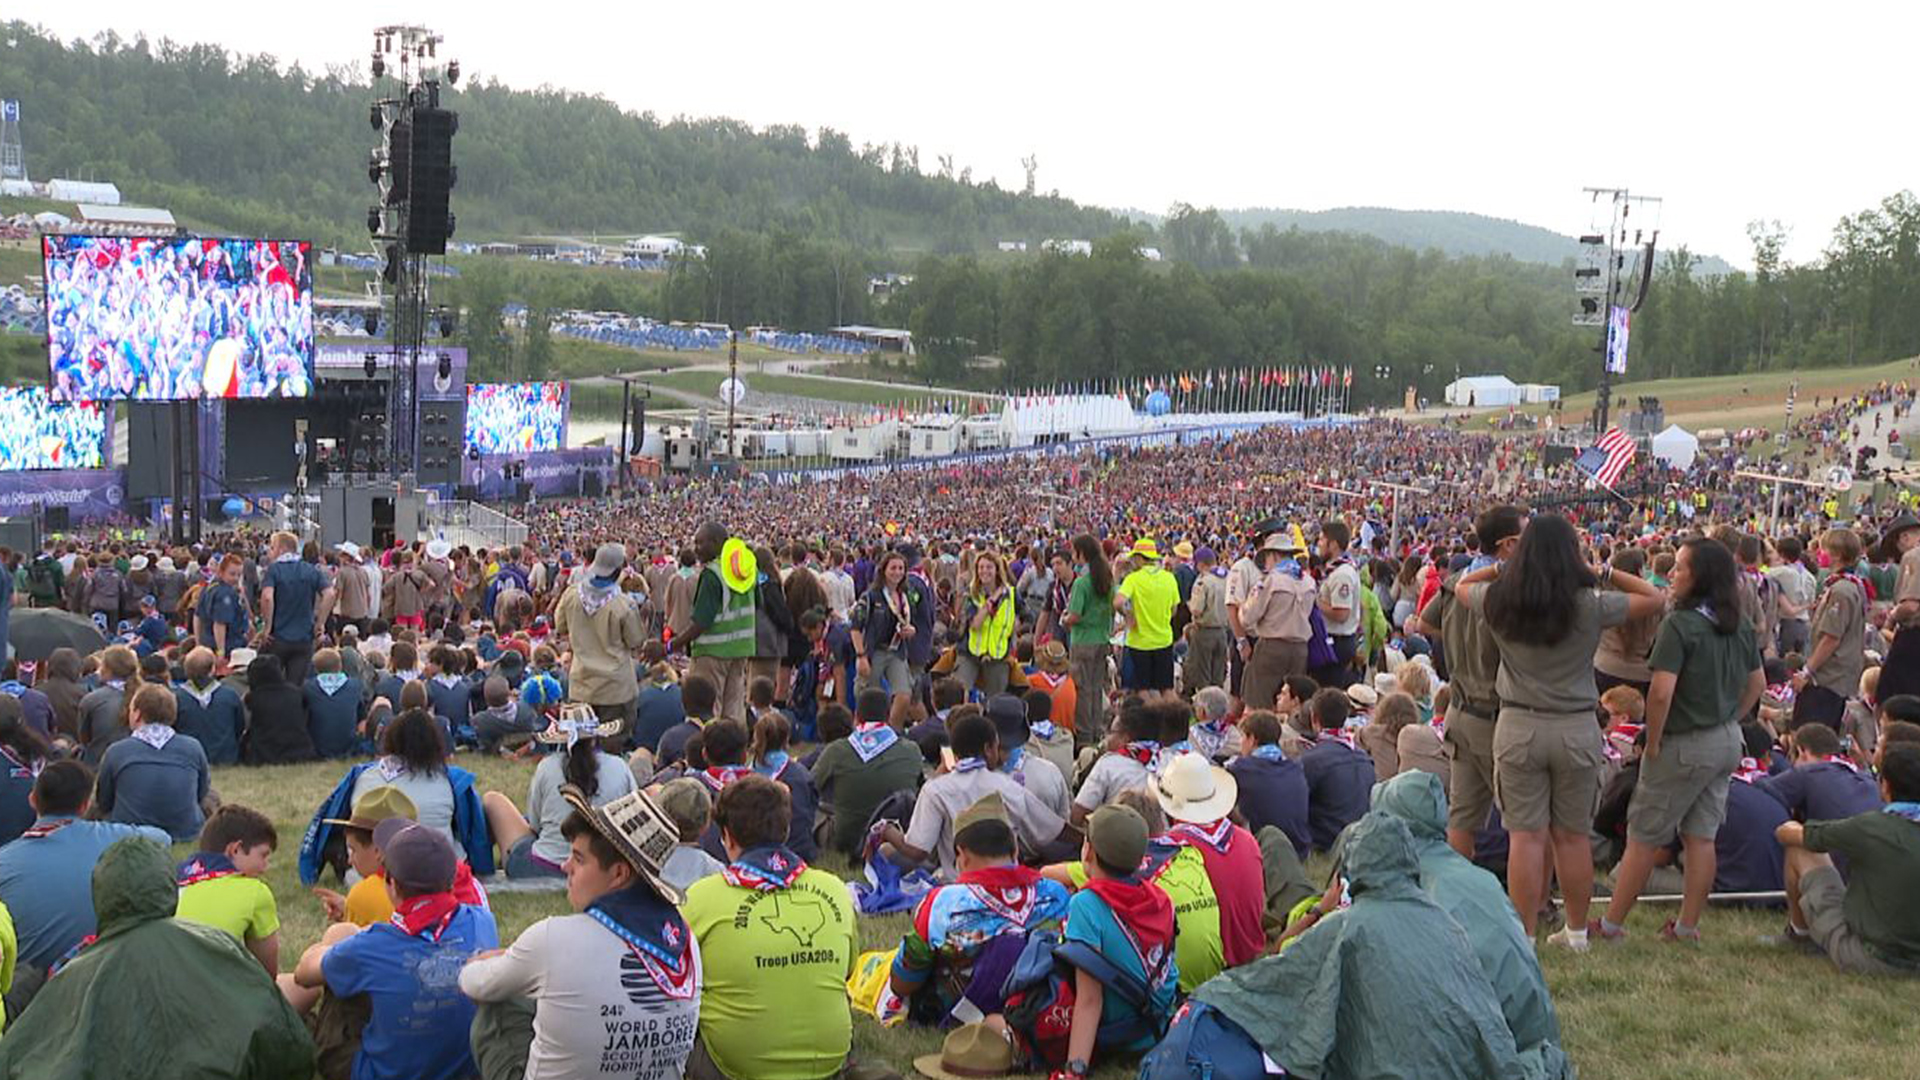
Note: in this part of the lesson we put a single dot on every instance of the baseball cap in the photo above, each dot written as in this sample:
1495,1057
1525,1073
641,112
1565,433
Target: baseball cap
418,859
1118,835
1009,715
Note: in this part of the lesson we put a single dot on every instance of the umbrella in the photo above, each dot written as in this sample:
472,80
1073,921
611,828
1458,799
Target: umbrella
36,632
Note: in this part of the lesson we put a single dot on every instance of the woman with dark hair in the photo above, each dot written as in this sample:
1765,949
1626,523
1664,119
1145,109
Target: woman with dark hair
413,751
531,845
883,624
23,751
276,716
1089,623
1546,616
1707,678
62,687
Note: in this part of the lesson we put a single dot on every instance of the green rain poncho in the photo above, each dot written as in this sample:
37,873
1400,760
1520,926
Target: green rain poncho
1477,902
1388,988
155,997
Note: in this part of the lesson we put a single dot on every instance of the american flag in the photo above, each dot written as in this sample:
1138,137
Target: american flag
1608,458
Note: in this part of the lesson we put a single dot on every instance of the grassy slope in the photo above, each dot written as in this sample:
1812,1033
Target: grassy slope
1643,1010
1737,401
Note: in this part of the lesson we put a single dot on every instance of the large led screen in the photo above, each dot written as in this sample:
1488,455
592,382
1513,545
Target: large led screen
516,418
167,318
37,432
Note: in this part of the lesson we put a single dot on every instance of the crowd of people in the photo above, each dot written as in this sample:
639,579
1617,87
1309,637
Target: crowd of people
1087,720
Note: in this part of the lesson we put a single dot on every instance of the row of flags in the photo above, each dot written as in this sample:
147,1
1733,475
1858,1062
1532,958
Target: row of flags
1230,389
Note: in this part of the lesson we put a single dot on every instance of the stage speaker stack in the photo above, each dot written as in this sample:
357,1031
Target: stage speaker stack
430,182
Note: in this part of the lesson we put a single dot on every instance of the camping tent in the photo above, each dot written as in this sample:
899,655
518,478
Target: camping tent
1676,446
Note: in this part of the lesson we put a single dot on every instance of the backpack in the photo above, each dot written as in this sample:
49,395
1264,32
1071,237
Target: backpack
40,584
1202,1044
1039,996
1320,652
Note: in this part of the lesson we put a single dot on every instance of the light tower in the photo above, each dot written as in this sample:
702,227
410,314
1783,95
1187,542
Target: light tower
1610,269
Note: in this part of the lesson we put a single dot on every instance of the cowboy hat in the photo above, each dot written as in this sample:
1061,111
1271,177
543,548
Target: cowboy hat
578,721
637,828
969,1051
1282,542
1890,540
241,657
376,806
1363,696
1145,548
1192,789
348,548
439,549
138,562
1052,658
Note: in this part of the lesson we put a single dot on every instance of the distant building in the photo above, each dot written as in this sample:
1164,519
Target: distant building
1151,254
1483,392
1068,247
888,340
127,220
661,247
885,284
83,191
1013,245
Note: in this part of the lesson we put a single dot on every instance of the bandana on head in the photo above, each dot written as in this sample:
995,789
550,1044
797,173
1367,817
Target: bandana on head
204,866
871,740
768,868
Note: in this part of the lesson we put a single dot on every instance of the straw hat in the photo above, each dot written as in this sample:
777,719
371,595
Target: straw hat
1195,790
636,826
578,721
1052,658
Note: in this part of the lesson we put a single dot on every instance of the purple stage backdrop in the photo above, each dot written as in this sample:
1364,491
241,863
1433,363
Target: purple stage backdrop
88,494
550,473
430,386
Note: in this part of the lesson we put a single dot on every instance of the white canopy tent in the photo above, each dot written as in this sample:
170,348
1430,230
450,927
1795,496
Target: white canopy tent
1676,446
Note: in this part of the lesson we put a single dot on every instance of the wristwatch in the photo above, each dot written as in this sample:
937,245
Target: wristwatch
1077,1067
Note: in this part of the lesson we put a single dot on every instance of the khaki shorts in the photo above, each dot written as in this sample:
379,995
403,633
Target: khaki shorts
1823,898
1546,770
1684,790
1470,746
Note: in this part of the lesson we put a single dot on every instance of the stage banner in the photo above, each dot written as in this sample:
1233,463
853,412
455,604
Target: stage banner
550,473
87,494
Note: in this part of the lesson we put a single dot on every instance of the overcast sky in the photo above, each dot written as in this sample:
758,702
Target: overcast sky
1731,112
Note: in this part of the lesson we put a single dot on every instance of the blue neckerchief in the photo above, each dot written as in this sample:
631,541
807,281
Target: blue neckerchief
1908,810
767,868
331,682
648,924
1289,567
1481,562
1215,727
1270,751
1014,757
969,764
204,866
13,688
1042,729
1706,612
772,762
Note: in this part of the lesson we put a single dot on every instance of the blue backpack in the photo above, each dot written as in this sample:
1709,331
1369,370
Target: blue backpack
1203,1044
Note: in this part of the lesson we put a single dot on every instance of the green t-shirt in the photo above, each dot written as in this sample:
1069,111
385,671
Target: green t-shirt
854,787
1883,877
1197,947
773,994
1712,669
242,906
1095,612
1153,592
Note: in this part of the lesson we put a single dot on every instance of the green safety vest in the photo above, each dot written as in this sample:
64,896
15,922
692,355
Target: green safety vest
732,634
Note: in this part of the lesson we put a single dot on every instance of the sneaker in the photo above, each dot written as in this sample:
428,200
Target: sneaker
1570,939
1791,937
1597,931
1672,932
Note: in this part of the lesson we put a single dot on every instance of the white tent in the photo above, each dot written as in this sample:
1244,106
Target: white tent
1483,392
1676,446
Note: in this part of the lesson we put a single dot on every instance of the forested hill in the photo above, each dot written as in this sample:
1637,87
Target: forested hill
241,143
1450,231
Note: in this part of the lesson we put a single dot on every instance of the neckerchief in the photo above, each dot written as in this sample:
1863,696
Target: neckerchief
1218,836
1866,590
969,764
1211,727
13,688
291,556
1144,915
1343,737
871,740
1480,562
46,827
1270,751
430,914
1144,751
116,684
1012,765
772,762
1007,891
1908,810
391,768
1705,611
1843,761
1750,769
719,776
154,735
331,682
447,681
204,866
654,932
768,868
21,770
593,596
406,677
1042,729
201,694
902,608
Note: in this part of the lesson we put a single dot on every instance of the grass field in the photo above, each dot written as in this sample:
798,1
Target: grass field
1639,1011
706,384
1738,401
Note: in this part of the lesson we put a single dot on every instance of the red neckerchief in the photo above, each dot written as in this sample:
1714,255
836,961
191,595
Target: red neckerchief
1843,761
1218,836
1007,891
1143,751
719,776
1342,736
466,887
17,769
38,830
429,914
1750,769
1144,915
1866,588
